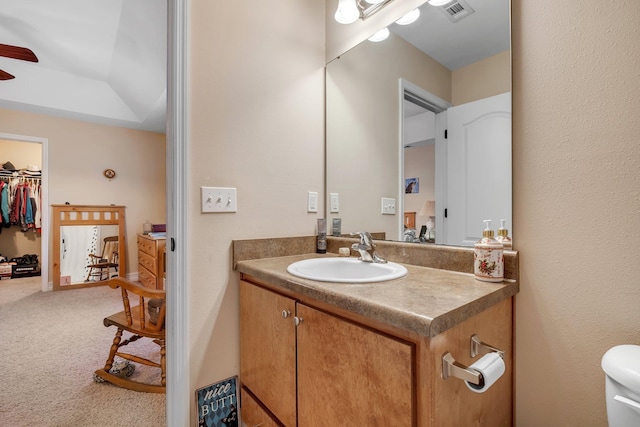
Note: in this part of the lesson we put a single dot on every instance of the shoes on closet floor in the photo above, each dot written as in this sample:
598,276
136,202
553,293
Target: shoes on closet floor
28,259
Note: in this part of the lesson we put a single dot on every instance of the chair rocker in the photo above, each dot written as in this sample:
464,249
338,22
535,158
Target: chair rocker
100,265
135,320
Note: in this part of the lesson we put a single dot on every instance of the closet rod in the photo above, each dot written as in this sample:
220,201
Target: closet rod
20,177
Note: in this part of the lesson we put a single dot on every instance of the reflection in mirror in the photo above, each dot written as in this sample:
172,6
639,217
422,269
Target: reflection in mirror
388,107
88,245
88,253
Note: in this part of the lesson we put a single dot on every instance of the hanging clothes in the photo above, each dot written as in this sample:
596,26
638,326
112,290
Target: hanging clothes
4,204
20,201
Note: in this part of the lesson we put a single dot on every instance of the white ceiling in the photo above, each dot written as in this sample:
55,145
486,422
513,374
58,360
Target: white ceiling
481,34
105,60
99,60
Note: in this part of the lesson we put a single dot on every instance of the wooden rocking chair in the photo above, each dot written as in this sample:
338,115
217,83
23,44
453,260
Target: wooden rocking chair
100,265
135,320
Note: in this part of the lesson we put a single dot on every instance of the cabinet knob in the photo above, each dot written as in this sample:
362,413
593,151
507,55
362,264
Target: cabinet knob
286,314
297,320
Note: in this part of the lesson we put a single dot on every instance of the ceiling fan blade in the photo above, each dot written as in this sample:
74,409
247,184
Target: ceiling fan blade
6,76
17,52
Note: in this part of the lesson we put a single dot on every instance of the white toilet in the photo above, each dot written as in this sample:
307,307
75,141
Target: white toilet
622,366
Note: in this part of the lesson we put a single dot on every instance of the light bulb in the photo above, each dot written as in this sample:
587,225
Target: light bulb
347,12
439,2
409,18
380,35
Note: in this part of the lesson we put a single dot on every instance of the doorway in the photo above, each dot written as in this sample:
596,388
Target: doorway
29,146
417,103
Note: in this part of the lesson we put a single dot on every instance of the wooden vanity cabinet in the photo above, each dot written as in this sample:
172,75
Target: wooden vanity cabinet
253,414
347,374
268,349
337,368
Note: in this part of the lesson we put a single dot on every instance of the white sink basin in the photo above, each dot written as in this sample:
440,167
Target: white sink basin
345,270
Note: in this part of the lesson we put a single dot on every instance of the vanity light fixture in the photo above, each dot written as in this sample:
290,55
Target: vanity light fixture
379,35
349,11
409,18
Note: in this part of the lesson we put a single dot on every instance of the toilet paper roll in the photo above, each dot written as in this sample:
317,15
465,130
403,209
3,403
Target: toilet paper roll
491,366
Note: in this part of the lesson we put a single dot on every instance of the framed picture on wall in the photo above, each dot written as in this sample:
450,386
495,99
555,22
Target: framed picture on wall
217,404
411,186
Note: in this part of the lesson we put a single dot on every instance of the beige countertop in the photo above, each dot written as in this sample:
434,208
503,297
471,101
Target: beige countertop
427,301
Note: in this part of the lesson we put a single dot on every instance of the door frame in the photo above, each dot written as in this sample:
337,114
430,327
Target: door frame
439,106
177,394
178,374
44,193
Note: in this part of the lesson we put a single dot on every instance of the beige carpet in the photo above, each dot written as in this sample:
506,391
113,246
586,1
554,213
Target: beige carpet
50,345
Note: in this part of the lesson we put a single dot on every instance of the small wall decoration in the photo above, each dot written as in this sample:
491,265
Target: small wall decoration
217,404
411,186
109,173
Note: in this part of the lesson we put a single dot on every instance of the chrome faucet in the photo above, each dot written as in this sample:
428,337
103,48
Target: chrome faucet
367,248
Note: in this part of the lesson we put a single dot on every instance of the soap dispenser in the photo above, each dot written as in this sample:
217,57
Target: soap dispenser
488,257
503,236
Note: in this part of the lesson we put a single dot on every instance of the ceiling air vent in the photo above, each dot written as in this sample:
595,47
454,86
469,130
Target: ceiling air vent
457,10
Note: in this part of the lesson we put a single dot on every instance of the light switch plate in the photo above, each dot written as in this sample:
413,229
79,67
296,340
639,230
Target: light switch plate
218,199
312,201
334,203
388,206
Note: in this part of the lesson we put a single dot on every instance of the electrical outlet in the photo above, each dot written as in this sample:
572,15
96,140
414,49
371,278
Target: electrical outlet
218,199
312,201
334,203
388,206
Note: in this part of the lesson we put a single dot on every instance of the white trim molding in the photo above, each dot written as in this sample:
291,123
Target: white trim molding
178,375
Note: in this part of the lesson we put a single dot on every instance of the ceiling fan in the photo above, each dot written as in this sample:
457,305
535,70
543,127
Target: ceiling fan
15,52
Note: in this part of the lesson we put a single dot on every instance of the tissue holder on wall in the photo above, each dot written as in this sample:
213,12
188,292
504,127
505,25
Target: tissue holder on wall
482,374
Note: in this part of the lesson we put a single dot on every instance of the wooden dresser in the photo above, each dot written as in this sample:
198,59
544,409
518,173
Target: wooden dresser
151,261
410,219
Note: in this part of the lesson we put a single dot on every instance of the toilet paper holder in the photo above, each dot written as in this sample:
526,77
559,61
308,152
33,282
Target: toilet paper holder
451,368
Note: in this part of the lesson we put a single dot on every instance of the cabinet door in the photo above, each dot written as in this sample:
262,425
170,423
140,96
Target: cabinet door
252,414
268,349
349,375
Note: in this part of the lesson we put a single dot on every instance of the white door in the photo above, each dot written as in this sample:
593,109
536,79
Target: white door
478,182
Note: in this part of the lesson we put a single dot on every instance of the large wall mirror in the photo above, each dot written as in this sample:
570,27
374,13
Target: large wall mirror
420,124
88,245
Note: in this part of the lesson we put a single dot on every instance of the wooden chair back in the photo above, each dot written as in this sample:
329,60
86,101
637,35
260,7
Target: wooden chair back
136,316
136,319
110,249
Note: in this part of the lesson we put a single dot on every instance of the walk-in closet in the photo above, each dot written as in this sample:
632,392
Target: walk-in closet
21,209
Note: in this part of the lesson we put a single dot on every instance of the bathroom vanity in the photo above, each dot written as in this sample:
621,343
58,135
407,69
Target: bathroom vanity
323,353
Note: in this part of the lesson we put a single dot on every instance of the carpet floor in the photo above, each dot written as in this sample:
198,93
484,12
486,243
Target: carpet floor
50,345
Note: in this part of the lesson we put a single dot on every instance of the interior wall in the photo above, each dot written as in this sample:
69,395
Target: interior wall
576,202
79,152
13,241
420,162
482,79
256,124
575,166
